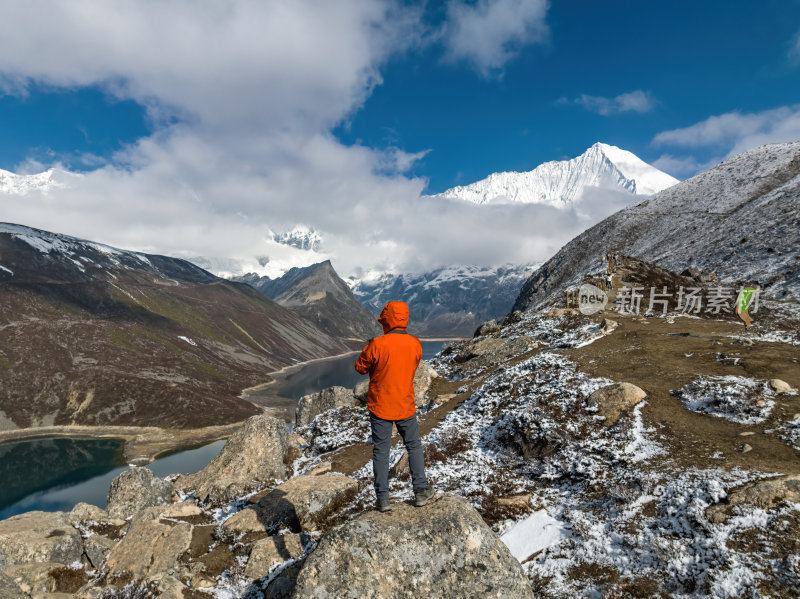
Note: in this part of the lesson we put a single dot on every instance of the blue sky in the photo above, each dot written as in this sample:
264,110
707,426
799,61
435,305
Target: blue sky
201,130
693,59
690,60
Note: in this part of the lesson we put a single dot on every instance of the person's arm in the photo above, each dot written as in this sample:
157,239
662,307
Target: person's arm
366,360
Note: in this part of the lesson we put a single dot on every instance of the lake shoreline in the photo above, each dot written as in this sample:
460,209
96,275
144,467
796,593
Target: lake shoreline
144,444
289,369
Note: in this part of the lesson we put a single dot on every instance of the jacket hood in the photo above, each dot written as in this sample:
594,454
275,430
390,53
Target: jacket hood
394,316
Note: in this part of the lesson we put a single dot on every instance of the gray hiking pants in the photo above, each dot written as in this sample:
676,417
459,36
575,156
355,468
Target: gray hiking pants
382,444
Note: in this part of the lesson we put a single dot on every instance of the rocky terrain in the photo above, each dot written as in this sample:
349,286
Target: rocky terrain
319,295
605,455
93,335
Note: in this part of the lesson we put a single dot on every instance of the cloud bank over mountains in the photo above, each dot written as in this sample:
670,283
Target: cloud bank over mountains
242,97
726,134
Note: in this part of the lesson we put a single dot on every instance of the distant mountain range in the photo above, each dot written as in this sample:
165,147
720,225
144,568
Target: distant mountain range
740,220
561,183
447,302
319,295
94,335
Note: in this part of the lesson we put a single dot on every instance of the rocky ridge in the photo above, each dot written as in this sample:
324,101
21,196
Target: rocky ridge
319,295
557,478
737,222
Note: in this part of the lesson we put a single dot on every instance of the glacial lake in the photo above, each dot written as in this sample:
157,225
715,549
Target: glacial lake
327,373
55,473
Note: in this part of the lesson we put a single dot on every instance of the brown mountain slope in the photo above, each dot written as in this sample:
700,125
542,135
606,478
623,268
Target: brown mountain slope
94,335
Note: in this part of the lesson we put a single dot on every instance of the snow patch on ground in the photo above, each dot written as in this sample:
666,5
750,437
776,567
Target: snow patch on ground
8,270
736,398
188,340
533,534
790,432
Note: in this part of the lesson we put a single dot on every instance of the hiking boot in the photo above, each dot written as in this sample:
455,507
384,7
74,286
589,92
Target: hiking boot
421,496
383,505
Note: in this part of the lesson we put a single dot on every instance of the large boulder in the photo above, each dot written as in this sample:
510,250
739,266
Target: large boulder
782,387
483,352
613,401
311,406
301,503
97,547
150,547
444,550
10,590
764,494
272,551
83,512
487,328
423,378
360,391
39,537
254,454
136,489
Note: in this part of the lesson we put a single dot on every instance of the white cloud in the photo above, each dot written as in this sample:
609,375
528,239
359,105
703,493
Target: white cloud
682,166
635,101
734,132
235,65
794,48
725,135
257,87
488,33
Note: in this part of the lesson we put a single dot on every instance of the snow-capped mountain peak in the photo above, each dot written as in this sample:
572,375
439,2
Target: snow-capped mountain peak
561,183
300,237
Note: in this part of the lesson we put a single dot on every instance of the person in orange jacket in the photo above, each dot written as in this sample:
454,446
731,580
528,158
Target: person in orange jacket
391,361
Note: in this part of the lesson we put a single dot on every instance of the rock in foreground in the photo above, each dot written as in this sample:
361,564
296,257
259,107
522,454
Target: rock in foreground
764,494
443,550
150,547
310,406
39,537
136,489
613,401
254,453
9,589
302,503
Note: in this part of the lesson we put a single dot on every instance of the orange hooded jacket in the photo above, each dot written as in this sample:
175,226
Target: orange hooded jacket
391,361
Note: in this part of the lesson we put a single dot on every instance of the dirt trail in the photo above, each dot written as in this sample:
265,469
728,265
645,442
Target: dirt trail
660,357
